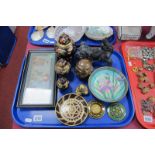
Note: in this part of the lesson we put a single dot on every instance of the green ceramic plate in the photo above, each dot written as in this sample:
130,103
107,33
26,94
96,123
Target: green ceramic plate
116,111
108,84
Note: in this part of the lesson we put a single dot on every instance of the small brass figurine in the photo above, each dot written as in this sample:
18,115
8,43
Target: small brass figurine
152,85
64,47
62,83
83,68
151,99
62,67
145,90
144,79
82,90
141,85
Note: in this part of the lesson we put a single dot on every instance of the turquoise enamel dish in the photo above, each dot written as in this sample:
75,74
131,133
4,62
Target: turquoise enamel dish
108,84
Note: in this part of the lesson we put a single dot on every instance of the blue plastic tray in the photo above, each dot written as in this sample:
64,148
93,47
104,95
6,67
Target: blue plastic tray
45,41
46,118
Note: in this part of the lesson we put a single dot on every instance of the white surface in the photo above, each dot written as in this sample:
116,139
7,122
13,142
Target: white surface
77,142
37,96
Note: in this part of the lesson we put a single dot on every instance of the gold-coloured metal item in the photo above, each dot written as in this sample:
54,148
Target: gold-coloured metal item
96,109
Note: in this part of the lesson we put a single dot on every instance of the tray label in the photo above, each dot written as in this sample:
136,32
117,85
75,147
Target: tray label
37,118
148,119
28,120
46,41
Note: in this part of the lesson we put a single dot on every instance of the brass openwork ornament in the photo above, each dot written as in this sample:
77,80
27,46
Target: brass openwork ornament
71,110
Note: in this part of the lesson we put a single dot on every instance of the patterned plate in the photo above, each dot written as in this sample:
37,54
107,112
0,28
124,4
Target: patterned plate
99,32
116,111
108,84
72,110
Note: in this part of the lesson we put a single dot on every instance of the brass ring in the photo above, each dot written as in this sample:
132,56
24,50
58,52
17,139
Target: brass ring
135,69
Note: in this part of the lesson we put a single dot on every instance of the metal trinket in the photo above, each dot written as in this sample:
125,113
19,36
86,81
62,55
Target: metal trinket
152,85
147,54
62,67
82,90
151,99
83,68
140,69
62,83
141,85
116,112
146,106
64,47
141,74
145,90
96,109
144,79
72,110
135,69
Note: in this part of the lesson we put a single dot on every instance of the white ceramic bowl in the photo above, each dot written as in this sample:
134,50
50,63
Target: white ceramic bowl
75,32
